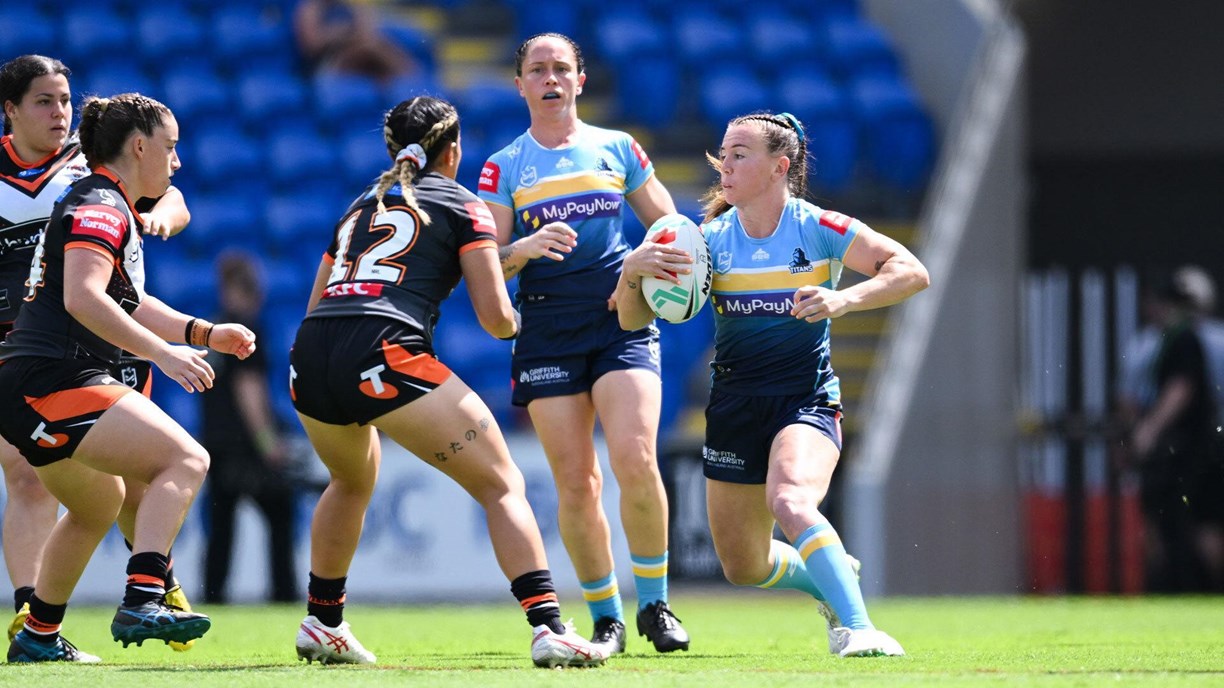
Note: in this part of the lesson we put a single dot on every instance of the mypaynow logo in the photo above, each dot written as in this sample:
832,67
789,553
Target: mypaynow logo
750,305
601,205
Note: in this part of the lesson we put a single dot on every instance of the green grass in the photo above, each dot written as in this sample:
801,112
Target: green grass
740,638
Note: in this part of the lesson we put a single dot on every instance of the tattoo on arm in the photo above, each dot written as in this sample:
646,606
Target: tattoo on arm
879,266
631,283
504,254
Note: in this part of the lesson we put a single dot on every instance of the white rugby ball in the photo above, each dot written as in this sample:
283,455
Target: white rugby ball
673,302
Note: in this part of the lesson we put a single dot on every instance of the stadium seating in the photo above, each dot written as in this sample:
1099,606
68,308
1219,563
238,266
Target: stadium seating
166,31
899,135
728,92
830,126
25,30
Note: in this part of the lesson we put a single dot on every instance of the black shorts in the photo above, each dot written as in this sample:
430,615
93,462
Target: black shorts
50,404
136,373
558,354
355,369
741,429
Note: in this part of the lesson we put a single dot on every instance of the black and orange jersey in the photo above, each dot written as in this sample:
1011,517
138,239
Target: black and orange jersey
28,192
95,215
392,265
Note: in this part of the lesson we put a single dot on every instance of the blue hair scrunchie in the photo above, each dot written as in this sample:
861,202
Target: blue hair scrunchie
794,124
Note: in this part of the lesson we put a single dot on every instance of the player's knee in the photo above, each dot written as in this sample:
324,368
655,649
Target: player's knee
791,501
24,487
579,488
740,572
195,463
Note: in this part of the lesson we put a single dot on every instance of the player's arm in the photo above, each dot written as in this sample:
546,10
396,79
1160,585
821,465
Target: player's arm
553,240
651,201
85,300
322,274
487,289
169,215
649,259
895,274
173,326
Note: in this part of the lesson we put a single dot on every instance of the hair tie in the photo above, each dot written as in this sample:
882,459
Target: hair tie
103,103
413,152
794,124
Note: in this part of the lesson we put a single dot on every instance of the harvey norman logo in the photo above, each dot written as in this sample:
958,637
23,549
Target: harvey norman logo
755,305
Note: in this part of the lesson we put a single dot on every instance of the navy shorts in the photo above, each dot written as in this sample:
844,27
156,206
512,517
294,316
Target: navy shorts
557,354
136,373
355,369
50,404
740,430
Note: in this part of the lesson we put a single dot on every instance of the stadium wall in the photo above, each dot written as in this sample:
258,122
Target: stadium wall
931,493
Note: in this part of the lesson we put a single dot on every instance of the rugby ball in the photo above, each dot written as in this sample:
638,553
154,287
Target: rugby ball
673,302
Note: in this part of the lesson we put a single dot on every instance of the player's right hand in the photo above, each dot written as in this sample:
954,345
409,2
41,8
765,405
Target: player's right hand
186,366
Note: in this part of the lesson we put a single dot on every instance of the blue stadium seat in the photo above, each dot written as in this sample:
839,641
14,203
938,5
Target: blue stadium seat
494,108
730,92
165,31
219,154
219,222
363,156
298,154
422,83
539,16
92,32
417,43
341,98
253,35
111,77
289,280
186,284
777,38
830,125
648,91
299,227
195,93
626,33
857,48
899,134
266,95
704,38
25,30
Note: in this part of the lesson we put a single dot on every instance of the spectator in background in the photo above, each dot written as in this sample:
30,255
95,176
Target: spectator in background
1167,401
337,35
249,457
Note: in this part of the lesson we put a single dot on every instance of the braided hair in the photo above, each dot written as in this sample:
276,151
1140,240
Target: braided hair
783,135
106,124
415,132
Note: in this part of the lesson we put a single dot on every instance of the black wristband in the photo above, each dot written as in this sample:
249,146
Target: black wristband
187,330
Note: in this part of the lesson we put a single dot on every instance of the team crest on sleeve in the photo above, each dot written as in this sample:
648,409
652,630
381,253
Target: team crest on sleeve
482,219
835,221
101,222
490,175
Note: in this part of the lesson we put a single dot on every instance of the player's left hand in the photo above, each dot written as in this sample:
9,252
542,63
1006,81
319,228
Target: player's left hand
817,303
232,338
156,225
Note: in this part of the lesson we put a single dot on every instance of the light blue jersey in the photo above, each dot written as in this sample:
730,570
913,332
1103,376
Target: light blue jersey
760,348
583,185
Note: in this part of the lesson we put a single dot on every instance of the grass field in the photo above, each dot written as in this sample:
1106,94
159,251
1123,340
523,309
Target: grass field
740,638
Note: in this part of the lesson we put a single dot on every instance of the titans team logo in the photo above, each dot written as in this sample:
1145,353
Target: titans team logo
528,177
799,262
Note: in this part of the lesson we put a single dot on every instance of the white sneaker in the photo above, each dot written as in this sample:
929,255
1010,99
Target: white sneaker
867,642
330,645
832,622
552,650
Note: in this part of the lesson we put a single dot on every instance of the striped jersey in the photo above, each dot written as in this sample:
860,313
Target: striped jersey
583,185
28,192
760,348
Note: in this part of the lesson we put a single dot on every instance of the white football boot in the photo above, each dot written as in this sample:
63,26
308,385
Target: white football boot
330,645
553,650
832,622
867,642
